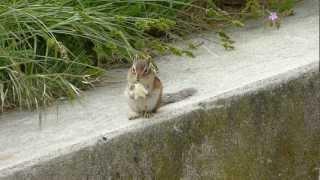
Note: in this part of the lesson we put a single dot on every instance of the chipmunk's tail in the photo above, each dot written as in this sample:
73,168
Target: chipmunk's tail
169,98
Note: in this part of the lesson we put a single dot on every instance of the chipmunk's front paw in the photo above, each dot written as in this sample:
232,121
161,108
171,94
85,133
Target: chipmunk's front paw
147,114
133,115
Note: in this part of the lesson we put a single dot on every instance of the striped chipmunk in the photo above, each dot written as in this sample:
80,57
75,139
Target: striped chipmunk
144,90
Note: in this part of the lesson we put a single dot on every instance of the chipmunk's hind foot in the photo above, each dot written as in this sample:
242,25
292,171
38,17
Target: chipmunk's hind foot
133,115
147,114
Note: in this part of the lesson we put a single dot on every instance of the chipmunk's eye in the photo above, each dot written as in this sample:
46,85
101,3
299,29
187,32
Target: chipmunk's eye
146,70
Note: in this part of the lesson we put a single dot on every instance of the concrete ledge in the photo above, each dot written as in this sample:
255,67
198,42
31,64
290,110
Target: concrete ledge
261,133
255,116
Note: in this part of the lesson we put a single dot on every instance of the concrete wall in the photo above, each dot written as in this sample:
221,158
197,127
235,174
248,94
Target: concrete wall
272,133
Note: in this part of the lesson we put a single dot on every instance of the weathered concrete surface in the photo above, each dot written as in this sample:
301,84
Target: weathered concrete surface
266,123
272,133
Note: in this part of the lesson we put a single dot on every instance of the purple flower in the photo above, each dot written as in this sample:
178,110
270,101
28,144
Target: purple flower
273,16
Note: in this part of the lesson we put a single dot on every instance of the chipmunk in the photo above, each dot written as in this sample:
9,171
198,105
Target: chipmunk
141,73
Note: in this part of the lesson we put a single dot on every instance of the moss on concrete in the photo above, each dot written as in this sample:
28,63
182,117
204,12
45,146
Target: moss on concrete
268,134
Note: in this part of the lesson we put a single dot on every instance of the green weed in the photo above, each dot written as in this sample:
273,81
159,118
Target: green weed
56,48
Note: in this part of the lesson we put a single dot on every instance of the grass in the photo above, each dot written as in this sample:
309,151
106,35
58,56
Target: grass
51,49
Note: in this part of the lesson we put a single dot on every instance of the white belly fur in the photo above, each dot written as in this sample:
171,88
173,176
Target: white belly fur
145,104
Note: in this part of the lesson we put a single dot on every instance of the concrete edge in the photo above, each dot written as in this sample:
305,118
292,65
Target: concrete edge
206,104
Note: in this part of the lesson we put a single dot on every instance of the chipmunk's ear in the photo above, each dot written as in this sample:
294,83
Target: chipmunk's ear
135,58
152,66
147,68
